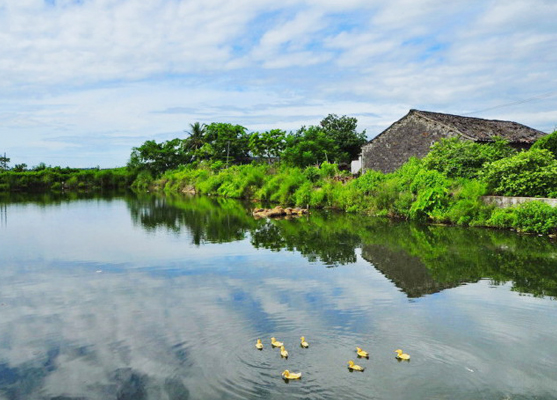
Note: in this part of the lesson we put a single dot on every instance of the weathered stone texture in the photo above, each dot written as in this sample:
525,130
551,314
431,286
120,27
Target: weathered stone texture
409,137
413,135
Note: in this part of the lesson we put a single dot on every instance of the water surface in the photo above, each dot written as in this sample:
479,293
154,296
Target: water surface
163,298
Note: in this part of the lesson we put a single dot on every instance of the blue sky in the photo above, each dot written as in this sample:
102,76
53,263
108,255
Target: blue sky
84,81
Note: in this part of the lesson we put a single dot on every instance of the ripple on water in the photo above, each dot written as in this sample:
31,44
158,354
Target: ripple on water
249,373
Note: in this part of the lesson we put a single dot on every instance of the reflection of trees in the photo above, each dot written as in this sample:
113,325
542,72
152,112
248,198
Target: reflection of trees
207,219
449,256
418,259
321,237
54,198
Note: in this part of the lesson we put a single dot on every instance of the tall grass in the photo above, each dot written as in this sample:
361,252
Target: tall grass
413,192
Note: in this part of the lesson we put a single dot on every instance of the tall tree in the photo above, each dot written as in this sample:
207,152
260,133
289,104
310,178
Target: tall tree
226,142
309,146
269,144
157,157
195,140
343,131
4,161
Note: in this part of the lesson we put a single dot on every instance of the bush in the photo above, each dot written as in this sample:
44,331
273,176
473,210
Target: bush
458,158
531,173
536,217
502,218
548,142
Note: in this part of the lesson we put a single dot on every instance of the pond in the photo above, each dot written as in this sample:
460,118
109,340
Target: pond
151,297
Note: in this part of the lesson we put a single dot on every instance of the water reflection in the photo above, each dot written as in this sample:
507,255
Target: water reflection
168,304
419,259
207,219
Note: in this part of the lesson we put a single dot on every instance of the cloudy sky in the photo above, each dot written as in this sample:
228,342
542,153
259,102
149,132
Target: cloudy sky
84,81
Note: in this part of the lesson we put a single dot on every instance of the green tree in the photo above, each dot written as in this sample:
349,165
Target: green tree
20,167
343,131
195,141
226,142
157,157
4,161
269,144
309,146
548,142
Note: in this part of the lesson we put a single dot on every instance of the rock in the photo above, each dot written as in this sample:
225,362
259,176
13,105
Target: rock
278,212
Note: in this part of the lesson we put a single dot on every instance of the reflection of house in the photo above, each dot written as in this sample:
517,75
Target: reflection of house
407,272
413,135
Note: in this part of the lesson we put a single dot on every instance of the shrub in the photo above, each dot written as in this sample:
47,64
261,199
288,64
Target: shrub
529,173
312,174
502,218
458,158
548,142
536,217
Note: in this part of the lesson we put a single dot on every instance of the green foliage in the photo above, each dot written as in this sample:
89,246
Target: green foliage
548,142
56,178
269,144
4,161
530,173
312,174
463,158
309,146
343,131
536,217
157,157
195,141
502,218
328,170
20,167
226,142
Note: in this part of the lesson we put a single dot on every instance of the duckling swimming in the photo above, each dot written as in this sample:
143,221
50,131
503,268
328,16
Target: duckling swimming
354,367
402,356
283,352
275,343
362,353
303,343
259,345
286,374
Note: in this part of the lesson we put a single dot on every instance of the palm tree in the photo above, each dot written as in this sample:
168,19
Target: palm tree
196,138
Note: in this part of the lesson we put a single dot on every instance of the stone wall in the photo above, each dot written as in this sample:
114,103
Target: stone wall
507,201
411,136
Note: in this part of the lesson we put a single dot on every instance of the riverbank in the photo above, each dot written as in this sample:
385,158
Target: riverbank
65,179
413,192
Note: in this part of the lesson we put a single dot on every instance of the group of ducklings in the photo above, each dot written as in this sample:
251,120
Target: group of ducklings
400,355
286,374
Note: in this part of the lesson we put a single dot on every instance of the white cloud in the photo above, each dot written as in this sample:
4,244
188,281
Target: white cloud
98,66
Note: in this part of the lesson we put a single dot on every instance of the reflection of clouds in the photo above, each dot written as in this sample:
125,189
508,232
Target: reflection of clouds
165,319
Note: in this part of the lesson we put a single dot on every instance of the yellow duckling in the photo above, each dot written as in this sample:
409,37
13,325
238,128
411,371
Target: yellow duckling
286,374
354,367
362,353
275,343
283,352
303,342
402,356
259,345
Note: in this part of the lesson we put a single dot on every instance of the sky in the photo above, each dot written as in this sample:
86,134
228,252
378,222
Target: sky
82,82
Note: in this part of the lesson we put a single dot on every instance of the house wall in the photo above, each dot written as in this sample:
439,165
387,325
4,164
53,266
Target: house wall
411,136
356,166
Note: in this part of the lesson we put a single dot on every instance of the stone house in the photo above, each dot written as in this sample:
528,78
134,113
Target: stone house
413,135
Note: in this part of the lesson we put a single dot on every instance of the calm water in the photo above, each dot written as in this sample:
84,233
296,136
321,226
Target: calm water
164,298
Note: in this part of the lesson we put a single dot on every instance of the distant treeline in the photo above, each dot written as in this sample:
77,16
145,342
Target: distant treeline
334,140
61,179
